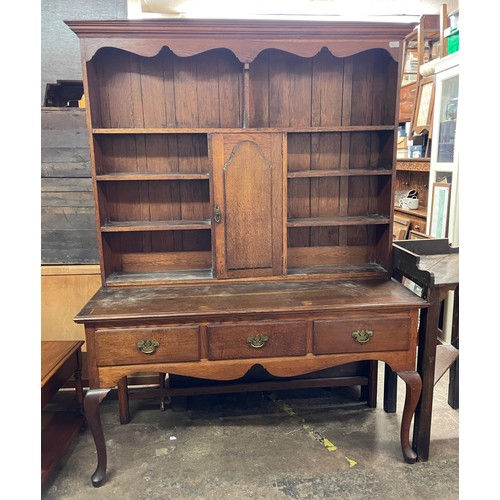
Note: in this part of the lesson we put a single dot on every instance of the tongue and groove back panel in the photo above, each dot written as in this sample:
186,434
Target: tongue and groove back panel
159,120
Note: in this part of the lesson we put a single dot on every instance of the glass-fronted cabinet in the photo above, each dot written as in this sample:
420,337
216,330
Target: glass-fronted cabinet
442,207
448,120
442,212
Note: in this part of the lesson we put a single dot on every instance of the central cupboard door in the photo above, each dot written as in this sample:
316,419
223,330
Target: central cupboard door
248,210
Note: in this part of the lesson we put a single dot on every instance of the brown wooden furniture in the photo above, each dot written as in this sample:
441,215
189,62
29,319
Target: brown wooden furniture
413,173
417,50
434,266
401,228
407,99
243,175
60,361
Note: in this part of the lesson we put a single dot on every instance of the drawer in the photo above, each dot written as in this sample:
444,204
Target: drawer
257,340
417,223
118,346
336,336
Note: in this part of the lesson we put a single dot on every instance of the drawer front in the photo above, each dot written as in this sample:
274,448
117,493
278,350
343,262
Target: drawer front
417,224
256,340
373,334
118,346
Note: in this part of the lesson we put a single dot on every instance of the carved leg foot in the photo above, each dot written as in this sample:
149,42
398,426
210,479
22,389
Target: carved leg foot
91,404
413,390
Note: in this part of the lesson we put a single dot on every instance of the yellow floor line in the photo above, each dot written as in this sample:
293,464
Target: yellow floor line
311,432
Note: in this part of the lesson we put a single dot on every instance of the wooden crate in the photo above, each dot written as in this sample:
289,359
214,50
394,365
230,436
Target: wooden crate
68,234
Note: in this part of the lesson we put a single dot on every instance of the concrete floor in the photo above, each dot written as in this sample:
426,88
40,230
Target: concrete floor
298,444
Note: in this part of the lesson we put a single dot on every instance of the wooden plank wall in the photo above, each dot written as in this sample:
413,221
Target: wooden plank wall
68,231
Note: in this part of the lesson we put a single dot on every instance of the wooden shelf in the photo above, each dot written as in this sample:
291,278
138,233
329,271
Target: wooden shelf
446,355
353,220
146,176
171,225
299,174
59,430
159,277
333,271
210,130
419,212
359,271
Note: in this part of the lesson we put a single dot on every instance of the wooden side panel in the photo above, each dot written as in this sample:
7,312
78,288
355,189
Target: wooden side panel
64,292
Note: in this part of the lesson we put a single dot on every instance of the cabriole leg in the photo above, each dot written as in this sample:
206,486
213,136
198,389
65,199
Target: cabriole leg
91,404
413,383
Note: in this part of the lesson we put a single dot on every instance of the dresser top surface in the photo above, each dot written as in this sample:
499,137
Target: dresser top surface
219,300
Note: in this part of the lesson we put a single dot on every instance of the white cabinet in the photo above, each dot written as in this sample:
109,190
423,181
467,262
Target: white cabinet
442,207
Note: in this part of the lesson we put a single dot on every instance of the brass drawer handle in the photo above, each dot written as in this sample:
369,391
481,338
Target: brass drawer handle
148,346
257,341
362,336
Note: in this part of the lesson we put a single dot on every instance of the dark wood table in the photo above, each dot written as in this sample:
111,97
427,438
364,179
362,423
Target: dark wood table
433,265
61,360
